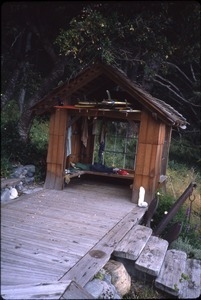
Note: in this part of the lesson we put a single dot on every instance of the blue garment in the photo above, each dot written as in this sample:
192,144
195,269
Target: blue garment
101,168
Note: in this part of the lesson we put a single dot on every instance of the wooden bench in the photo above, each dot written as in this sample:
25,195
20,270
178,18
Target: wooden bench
82,172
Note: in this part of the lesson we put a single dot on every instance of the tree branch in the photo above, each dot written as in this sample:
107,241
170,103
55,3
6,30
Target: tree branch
176,94
180,71
192,71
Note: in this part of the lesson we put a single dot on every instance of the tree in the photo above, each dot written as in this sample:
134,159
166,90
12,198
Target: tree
31,65
157,47
157,44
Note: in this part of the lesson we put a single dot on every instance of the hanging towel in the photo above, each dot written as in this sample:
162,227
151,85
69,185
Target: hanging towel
68,141
84,137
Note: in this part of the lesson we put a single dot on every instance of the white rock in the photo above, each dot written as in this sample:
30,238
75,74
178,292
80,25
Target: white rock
13,193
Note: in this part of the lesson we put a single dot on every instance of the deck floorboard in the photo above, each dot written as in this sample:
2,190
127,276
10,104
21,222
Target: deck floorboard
46,234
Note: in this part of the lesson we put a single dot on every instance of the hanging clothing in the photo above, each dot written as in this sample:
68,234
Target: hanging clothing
84,136
103,133
102,143
68,141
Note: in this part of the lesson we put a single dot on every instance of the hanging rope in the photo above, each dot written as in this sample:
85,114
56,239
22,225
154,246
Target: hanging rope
191,200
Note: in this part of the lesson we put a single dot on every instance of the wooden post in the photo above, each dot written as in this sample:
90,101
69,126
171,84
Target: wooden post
149,157
56,150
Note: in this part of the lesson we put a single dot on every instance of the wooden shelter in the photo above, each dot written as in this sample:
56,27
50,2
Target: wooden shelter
102,96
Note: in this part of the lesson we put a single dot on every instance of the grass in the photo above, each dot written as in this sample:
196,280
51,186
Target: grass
144,290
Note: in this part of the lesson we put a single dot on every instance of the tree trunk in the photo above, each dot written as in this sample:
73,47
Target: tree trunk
49,82
7,96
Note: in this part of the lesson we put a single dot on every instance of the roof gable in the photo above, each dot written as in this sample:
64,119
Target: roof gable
99,76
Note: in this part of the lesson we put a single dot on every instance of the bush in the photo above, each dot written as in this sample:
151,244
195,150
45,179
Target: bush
14,151
185,245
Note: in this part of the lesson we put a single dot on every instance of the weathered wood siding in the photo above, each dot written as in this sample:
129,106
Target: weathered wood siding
56,150
149,156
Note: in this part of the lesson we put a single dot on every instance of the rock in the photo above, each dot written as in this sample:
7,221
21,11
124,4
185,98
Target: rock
100,289
5,195
23,171
13,193
17,172
29,180
30,168
119,276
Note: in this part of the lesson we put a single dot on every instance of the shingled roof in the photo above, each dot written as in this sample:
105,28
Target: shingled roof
99,76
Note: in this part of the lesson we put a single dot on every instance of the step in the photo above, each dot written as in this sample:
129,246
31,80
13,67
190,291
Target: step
191,280
133,242
170,276
152,256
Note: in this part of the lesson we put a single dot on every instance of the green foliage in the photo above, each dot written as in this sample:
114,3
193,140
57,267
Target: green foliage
6,167
14,151
184,150
39,133
108,34
185,245
10,113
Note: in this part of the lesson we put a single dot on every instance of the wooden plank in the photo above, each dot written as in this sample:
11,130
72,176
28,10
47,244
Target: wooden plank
161,134
50,148
152,131
152,256
79,173
57,122
143,127
52,121
98,256
191,280
169,279
147,160
45,290
59,179
153,160
75,291
133,242
50,181
55,142
141,152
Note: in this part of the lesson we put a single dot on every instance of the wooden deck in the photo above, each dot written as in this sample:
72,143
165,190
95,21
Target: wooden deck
59,236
